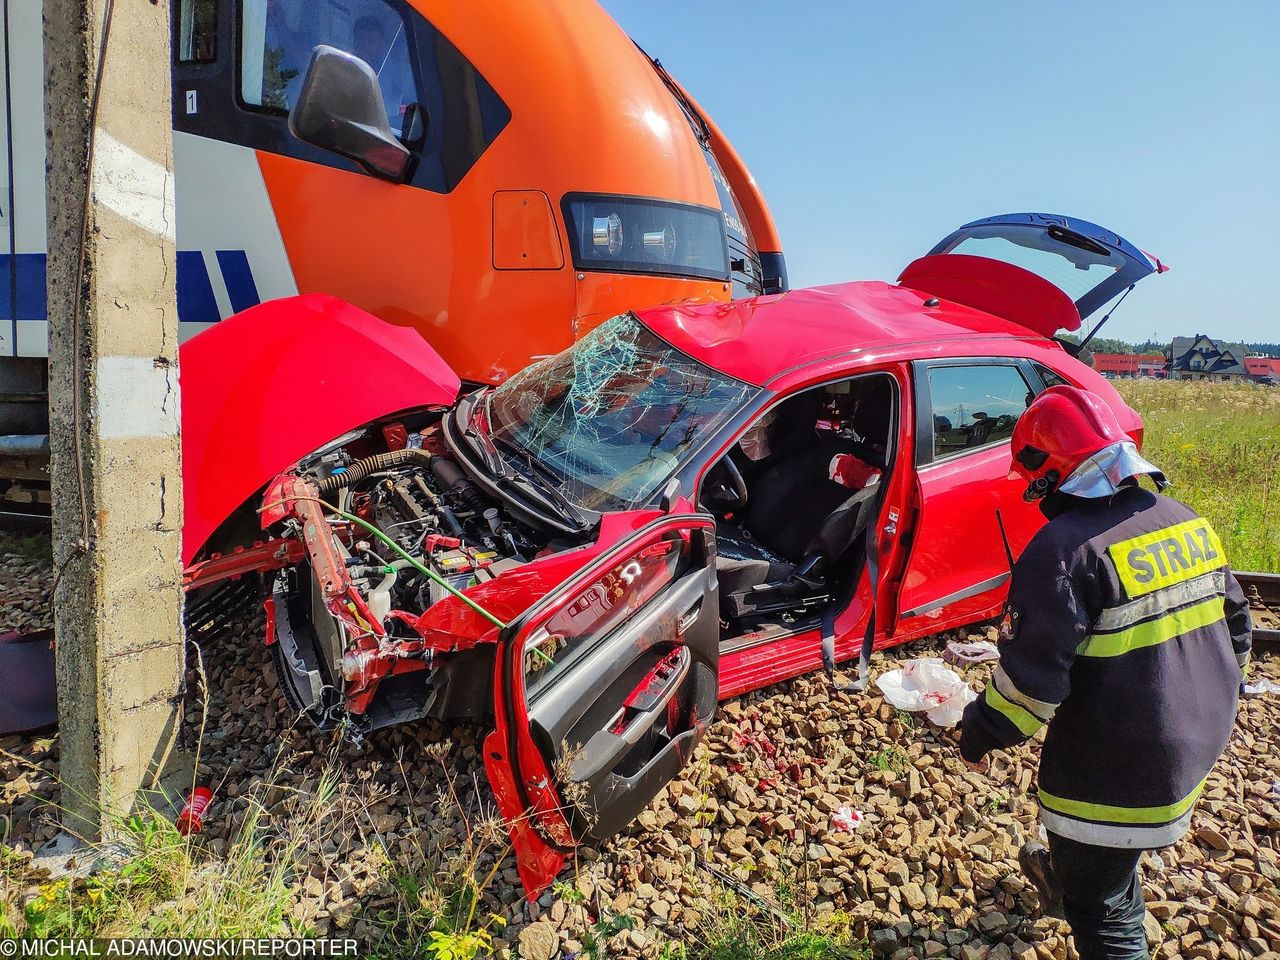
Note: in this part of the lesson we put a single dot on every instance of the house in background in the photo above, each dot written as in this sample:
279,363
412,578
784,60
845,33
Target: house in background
1263,369
1128,365
1203,358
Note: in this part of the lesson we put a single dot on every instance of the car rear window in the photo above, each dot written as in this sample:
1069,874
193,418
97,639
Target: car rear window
1051,378
1074,269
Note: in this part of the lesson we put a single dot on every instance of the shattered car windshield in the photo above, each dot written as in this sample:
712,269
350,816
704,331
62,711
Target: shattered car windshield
615,415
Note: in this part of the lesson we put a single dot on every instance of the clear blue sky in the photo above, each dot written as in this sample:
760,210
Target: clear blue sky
875,129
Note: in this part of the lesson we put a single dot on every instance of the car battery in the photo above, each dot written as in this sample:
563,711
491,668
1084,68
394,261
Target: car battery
458,569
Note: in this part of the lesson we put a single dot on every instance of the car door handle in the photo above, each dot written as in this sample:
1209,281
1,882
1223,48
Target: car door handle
652,695
637,715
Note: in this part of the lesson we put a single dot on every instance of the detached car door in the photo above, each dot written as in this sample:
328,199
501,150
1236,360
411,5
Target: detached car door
602,690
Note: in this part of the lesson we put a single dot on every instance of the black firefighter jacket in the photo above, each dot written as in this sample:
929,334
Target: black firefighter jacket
1127,634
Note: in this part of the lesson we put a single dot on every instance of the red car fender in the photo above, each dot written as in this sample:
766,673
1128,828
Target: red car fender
267,386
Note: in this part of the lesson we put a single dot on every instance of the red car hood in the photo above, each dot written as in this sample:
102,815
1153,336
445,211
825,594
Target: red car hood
268,386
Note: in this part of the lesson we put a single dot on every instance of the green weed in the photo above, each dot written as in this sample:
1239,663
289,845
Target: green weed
607,925
891,758
459,946
563,890
742,924
32,546
150,881
438,908
738,929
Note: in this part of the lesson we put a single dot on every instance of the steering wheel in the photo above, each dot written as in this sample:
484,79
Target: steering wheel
728,487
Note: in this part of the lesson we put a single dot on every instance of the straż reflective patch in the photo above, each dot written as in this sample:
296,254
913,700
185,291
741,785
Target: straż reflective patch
1010,620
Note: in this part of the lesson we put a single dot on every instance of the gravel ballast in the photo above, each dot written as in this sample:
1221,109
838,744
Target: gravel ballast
930,872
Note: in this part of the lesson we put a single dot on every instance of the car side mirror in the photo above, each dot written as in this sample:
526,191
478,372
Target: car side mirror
670,494
340,108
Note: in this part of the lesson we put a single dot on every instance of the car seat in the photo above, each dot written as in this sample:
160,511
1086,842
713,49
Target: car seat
798,523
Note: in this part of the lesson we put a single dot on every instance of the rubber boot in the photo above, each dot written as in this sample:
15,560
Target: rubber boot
1036,866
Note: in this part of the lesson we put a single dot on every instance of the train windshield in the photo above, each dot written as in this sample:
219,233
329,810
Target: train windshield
278,36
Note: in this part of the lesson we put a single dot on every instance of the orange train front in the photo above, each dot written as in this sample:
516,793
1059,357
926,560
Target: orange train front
550,174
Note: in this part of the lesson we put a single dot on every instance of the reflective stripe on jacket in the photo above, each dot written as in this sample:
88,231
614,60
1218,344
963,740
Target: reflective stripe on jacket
1127,635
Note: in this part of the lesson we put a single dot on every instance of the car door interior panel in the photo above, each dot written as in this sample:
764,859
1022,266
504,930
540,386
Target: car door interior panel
610,683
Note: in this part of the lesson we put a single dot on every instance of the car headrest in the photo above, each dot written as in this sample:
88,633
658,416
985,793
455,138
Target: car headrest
874,416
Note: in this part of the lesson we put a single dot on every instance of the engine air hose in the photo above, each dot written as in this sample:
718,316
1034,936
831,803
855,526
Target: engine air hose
451,475
370,465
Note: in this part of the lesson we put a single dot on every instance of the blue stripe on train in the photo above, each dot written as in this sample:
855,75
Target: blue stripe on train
30,276
238,277
196,302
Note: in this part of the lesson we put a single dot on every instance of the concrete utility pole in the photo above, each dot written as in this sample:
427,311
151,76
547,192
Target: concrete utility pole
113,399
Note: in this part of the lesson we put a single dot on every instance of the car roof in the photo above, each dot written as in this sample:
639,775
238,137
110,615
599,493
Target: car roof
760,338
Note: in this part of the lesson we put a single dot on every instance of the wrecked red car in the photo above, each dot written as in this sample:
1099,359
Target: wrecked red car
685,505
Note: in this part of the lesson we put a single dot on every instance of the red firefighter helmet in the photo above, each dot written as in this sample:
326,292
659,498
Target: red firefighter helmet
1070,439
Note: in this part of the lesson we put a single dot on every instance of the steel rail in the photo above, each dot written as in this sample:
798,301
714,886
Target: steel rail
1263,590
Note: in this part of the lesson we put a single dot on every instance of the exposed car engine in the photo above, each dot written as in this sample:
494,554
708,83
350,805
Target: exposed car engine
406,530
435,513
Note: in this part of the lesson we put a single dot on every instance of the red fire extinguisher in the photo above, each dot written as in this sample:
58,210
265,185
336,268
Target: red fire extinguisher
191,819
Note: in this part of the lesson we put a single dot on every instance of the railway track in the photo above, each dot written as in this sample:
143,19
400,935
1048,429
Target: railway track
24,521
1262,590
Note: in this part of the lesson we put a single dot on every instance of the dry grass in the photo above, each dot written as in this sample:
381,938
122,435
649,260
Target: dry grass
1220,445
150,881
433,901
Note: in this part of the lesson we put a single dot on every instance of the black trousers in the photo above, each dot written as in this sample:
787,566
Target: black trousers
1102,898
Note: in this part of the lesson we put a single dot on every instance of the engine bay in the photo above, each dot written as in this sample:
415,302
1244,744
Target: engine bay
391,526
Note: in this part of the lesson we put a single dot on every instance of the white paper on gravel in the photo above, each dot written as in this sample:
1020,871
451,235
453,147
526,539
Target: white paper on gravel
927,684
979,651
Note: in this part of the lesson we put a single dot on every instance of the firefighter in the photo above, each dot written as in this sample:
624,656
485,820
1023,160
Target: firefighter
1127,635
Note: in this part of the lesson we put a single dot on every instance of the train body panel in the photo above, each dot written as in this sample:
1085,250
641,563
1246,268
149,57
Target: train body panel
555,176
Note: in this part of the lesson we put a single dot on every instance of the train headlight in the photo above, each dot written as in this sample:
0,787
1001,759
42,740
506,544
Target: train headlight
606,233
661,242
618,234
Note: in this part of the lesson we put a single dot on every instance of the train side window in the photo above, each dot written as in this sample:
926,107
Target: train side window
278,36
198,31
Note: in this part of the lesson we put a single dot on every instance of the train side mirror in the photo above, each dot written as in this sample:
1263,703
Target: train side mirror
340,108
